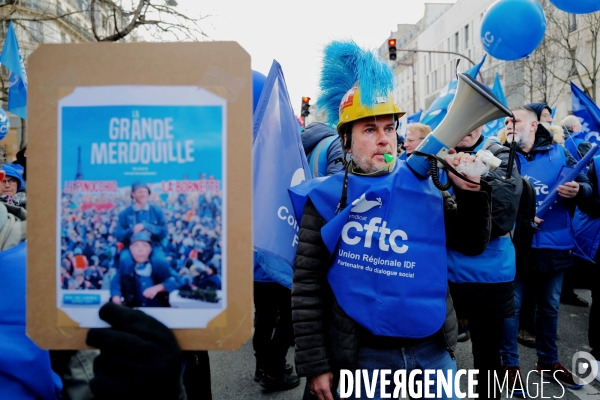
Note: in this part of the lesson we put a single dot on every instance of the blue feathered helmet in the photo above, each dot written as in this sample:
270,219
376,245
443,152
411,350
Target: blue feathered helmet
355,84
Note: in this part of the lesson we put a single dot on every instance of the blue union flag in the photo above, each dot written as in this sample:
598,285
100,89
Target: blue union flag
279,163
588,113
12,59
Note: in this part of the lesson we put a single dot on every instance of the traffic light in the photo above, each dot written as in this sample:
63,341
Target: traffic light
305,106
392,49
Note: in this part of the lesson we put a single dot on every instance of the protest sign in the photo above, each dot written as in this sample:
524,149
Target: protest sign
138,189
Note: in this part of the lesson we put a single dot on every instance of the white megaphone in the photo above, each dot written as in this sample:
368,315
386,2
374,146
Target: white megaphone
473,106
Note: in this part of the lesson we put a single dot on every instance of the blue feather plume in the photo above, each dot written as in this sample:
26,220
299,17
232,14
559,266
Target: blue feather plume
345,64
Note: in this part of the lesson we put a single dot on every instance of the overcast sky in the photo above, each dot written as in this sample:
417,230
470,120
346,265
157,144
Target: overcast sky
294,32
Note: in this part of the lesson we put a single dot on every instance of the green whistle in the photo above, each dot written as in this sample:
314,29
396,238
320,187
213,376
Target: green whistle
388,157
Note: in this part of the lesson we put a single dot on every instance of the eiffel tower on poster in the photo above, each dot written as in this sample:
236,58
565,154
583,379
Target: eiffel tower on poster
79,175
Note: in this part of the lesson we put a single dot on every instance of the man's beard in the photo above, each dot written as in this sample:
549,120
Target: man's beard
369,165
518,136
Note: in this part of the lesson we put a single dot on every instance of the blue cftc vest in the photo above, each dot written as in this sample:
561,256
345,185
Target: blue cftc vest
495,265
555,232
586,228
389,270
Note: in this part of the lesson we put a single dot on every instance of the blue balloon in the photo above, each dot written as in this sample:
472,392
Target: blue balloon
258,81
512,29
4,124
577,6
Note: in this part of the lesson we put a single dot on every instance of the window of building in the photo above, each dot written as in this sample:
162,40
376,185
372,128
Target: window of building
572,22
573,70
58,8
428,84
429,56
402,94
35,4
63,37
4,27
456,43
467,37
543,78
36,31
435,80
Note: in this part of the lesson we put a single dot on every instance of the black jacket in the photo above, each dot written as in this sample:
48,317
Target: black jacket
326,338
592,205
485,300
545,260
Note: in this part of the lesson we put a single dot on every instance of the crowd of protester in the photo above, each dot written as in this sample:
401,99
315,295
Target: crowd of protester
90,248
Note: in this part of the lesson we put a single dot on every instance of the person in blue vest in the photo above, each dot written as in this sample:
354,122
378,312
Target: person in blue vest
586,225
482,286
574,137
526,334
370,283
574,141
143,281
323,149
540,161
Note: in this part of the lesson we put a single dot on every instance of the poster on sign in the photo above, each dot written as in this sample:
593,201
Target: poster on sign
142,190
138,190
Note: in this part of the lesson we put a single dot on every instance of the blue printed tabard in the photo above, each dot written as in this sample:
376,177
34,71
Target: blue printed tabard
542,172
389,271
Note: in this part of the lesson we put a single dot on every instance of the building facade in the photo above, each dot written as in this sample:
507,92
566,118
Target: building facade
50,21
456,28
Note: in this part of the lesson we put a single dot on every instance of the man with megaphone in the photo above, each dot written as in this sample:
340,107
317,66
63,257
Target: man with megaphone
541,162
370,283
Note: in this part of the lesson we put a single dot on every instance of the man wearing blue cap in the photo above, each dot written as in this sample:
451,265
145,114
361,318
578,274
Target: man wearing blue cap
12,189
142,282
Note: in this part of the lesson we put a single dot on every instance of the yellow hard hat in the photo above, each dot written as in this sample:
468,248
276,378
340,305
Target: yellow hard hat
351,108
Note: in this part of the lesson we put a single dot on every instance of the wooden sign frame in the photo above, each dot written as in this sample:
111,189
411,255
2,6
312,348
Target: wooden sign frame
55,71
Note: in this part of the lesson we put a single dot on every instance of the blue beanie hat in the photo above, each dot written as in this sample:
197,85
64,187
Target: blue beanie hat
538,108
13,173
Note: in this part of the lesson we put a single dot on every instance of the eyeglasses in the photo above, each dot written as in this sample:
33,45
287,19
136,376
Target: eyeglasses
9,181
